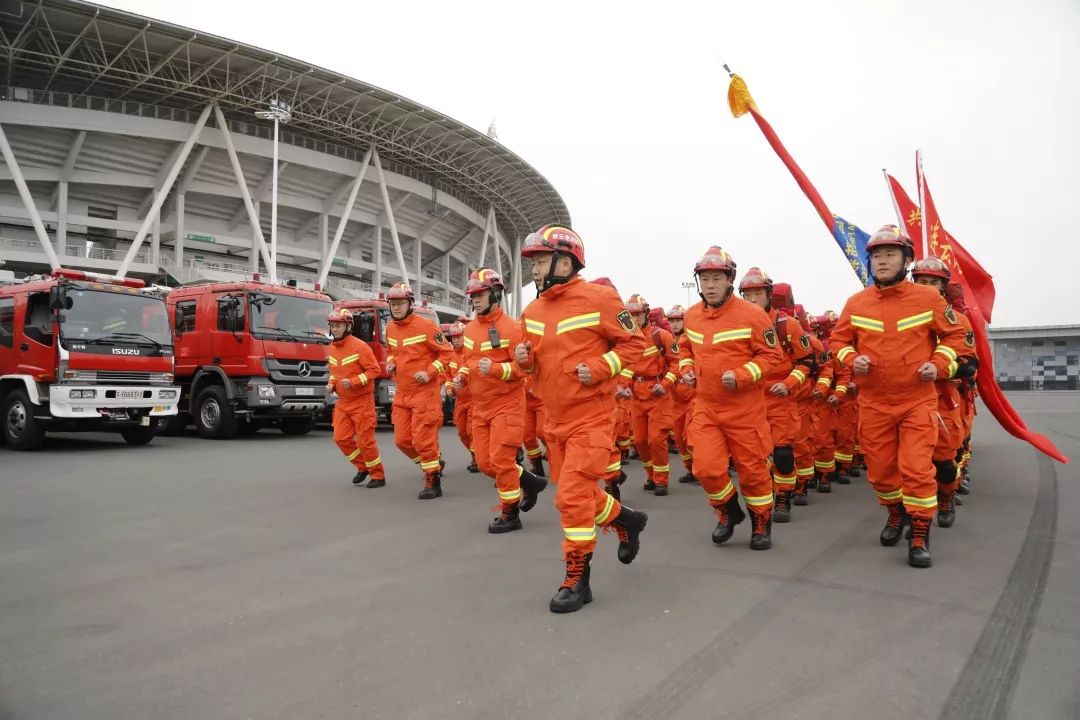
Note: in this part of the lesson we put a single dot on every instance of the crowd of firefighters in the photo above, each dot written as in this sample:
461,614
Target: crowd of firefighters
755,396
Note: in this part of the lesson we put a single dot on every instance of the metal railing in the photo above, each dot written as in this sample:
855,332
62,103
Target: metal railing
103,253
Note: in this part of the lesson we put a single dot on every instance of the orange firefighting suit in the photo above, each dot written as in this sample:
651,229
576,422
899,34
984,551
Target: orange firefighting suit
571,324
498,422
463,401
899,328
948,452
825,417
736,336
847,418
807,404
651,415
354,413
534,422
417,345
782,412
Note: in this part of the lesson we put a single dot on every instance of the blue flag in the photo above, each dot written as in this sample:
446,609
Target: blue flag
852,241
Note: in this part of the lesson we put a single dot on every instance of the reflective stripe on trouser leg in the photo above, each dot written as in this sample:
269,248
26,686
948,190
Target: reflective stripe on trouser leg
579,458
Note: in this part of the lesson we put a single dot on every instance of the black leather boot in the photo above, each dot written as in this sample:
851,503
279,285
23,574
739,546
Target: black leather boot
531,487
537,465
919,544
360,477
472,466
841,476
782,507
574,591
946,510
507,521
432,486
894,526
729,515
824,482
761,538
629,525
688,478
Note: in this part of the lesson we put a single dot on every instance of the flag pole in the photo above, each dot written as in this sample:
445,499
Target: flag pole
922,204
896,206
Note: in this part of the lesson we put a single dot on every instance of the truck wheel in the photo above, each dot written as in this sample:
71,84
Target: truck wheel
138,435
298,426
214,416
21,429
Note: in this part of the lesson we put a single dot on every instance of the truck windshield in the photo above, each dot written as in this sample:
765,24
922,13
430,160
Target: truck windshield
289,318
103,317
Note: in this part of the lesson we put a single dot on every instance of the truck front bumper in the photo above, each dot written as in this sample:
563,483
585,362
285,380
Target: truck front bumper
112,401
286,400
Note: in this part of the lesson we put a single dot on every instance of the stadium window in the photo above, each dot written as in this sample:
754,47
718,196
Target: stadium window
1036,343
1059,343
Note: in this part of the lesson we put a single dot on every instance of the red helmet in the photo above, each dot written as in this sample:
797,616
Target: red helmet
555,239
715,258
483,279
890,236
755,278
400,291
456,330
340,315
782,297
800,314
954,294
637,304
677,312
931,266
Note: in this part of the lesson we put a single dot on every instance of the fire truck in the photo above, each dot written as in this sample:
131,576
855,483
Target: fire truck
83,352
249,355
370,320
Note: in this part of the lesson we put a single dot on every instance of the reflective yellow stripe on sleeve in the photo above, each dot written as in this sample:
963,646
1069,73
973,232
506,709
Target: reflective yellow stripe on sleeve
614,362
755,370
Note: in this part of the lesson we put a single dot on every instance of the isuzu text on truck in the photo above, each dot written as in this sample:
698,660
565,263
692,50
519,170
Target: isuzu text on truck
248,355
80,351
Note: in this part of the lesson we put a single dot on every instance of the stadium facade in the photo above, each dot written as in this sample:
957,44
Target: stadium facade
1037,358
132,146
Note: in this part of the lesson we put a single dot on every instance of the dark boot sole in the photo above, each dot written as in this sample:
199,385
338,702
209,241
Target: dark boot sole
824,488
376,484
891,542
761,544
781,517
800,501
661,490
920,562
946,521
561,609
500,529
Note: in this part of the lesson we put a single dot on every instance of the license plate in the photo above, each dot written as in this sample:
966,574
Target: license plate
129,394
305,391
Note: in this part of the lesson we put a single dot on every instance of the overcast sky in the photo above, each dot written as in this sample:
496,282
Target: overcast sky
622,106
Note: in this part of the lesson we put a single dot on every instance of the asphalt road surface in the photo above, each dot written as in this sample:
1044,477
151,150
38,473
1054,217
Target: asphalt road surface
249,579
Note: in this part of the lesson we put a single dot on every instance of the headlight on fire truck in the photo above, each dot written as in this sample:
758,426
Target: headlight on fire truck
82,394
266,391
167,394
161,378
81,375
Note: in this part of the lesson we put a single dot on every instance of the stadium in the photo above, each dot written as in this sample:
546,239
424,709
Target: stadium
136,147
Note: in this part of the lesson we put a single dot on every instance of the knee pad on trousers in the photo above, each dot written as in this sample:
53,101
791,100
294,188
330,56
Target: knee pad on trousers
784,459
946,471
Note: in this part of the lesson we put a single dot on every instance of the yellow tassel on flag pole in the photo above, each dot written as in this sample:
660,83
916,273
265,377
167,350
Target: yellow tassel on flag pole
738,97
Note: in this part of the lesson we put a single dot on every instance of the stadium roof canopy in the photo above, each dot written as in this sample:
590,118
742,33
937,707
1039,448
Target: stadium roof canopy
87,49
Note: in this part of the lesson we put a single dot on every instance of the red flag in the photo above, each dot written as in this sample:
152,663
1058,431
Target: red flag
910,215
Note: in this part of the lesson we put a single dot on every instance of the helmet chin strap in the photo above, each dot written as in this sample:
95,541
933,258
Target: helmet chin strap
551,278
492,300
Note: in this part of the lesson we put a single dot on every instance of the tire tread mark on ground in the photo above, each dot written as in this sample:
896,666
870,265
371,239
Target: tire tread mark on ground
985,687
666,697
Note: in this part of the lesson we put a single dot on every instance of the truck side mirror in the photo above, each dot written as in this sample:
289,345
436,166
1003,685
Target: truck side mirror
58,298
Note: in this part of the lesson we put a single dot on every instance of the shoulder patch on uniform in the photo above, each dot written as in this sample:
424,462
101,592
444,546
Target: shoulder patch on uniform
825,356
675,346
969,338
439,337
626,321
804,342
950,316
770,337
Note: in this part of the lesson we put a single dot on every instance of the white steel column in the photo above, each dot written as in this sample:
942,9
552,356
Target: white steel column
324,235
328,257
253,215
483,242
377,285
446,276
181,158
495,239
61,218
390,217
418,250
155,236
515,273
28,200
178,237
255,235
273,210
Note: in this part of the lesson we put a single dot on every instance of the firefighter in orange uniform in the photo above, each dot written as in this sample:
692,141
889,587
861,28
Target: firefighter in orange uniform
614,476
463,404
826,394
954,294
821,369
682,395
353,372
782,382
579,337
419,357
498,389
949,450
732,346
898,338
651,408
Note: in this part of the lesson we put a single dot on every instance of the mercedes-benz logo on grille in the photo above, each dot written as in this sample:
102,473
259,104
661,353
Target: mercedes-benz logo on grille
303,369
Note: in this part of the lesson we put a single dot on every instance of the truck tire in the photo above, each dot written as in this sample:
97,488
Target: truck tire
214,416
138,435
22,431
298,426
